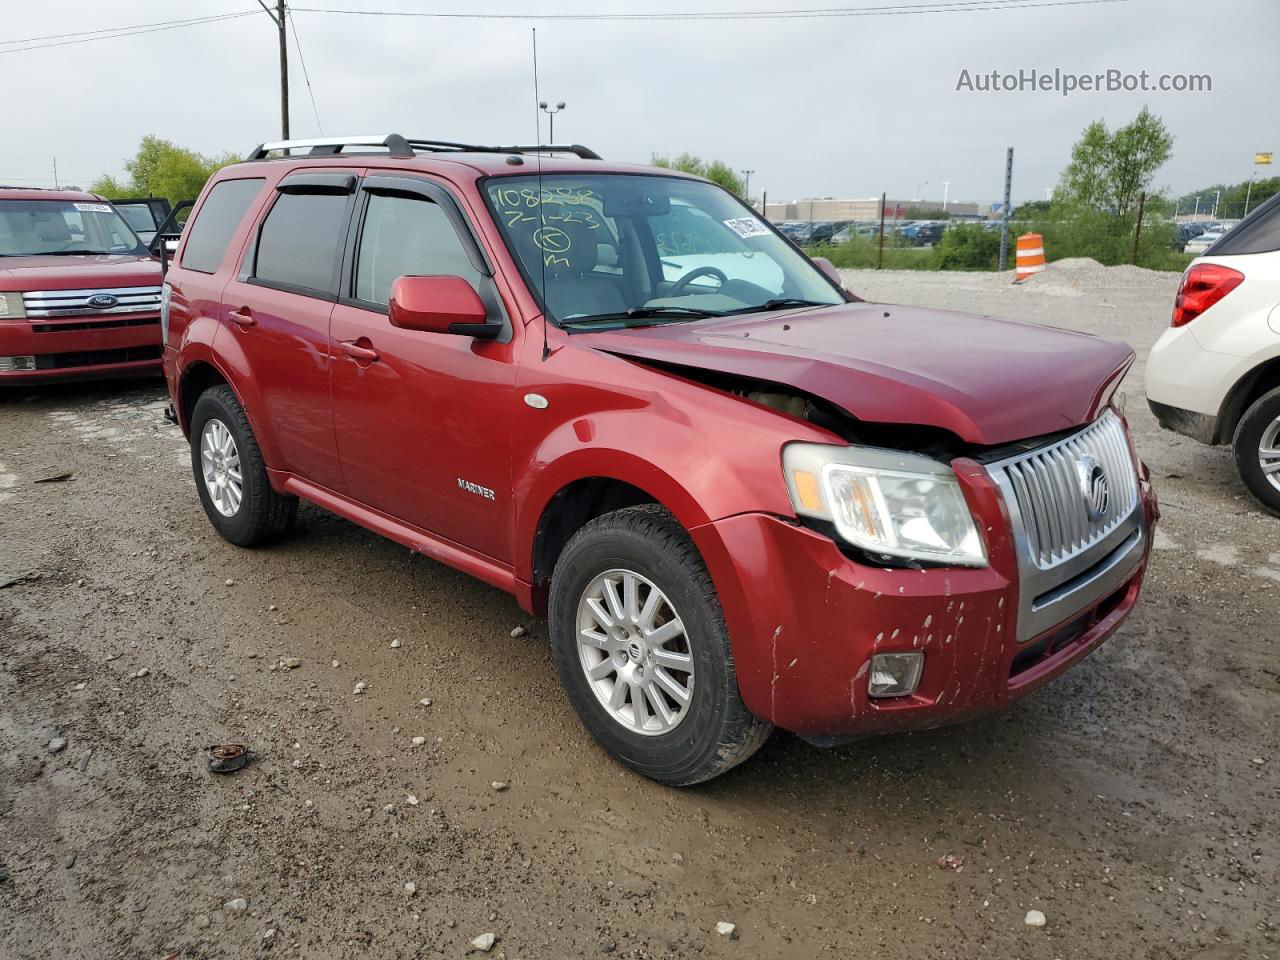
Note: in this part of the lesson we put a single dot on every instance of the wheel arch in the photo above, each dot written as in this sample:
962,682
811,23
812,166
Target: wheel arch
575,502
1261,379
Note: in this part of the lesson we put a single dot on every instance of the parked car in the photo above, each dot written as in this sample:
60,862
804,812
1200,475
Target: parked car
740,502
144,214
1214,375
1198,244
79,292
1185,233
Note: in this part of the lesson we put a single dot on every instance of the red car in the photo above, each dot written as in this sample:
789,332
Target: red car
79,292
742,497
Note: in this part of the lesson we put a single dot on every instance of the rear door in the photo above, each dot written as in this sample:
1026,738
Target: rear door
422,418
276,313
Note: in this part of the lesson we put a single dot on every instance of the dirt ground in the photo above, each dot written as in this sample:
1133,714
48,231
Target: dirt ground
1135,802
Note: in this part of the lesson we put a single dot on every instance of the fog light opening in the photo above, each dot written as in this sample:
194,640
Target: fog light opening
895,674
9,364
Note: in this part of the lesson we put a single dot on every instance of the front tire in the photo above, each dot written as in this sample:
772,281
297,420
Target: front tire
640,643
1257,450
231,474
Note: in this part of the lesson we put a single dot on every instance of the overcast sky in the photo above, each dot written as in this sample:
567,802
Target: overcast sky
844,107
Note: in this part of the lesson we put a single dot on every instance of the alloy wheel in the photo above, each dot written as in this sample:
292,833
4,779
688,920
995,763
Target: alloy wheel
1269,453
220,466
635,652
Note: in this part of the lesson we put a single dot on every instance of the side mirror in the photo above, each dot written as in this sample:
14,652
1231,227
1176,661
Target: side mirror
829,268
440,305
832,274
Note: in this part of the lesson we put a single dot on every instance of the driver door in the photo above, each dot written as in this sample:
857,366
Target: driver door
422,419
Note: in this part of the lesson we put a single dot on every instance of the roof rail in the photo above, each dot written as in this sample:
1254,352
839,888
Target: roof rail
394,143
398,146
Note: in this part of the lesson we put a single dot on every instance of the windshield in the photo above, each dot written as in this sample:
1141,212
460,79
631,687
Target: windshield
37,227
140,216
622,249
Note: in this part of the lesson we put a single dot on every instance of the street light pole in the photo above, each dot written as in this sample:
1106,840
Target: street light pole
920,186
746,186
551,112
946,194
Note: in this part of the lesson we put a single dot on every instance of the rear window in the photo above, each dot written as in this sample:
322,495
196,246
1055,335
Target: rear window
299,243
1257,233
216,223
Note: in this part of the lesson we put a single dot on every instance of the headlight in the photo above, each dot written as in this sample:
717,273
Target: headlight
885,501
166,292
11,307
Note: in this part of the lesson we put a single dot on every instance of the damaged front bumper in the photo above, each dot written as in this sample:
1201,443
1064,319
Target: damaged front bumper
805,620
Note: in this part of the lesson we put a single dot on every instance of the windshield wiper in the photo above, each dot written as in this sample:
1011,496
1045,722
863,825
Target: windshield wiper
672,313
77,253
784,303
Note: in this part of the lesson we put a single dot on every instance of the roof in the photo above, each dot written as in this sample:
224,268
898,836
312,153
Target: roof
39,193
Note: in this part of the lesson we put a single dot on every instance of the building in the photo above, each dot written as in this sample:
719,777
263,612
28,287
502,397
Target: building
819,209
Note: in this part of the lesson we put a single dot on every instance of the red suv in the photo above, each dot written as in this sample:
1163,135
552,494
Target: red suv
742,497
79,292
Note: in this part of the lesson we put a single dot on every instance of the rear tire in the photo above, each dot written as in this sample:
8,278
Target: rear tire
231,475
629,662
1257,442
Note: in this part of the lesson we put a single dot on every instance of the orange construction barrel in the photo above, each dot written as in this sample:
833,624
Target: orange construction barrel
1030,259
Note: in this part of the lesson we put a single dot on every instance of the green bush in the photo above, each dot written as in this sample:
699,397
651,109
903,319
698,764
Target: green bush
966,246
1073,231
863,253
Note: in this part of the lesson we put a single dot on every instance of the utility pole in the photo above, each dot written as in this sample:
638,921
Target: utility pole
278,18
284,70
56,186
1004,220
746,184
946,194
764,204
1142,202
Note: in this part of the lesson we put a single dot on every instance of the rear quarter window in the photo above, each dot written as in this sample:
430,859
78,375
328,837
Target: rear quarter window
1257,233
216,223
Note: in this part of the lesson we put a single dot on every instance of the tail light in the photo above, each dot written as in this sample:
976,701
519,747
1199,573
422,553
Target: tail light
1203,286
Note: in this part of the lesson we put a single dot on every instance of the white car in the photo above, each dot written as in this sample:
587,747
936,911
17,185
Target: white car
1214,375
1199,244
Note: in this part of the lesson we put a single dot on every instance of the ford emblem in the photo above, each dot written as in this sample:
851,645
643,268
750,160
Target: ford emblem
101,301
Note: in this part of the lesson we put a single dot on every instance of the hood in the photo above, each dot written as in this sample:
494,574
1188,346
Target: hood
987,381
78,272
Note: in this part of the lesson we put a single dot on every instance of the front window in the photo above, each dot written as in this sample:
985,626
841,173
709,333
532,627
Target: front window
617,249
31,228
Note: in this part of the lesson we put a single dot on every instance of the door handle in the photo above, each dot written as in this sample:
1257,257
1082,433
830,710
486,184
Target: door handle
356,351
242,318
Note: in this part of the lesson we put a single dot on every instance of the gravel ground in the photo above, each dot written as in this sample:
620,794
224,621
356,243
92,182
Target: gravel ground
1133,802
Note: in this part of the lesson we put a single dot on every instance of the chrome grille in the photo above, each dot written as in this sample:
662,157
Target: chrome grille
1050,497
75,303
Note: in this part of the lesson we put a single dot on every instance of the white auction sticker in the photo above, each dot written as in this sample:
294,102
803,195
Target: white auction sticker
93,207
747,227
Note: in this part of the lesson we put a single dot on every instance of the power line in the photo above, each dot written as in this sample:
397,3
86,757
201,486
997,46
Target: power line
939,6
124,32
305,76
135,26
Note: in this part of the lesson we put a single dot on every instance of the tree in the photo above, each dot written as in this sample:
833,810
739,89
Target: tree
717,171
1109,171
161,168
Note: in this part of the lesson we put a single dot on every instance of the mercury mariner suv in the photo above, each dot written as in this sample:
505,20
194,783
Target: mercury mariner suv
79,292
742,497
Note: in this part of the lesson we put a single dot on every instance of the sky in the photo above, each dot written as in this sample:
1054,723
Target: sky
845,107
